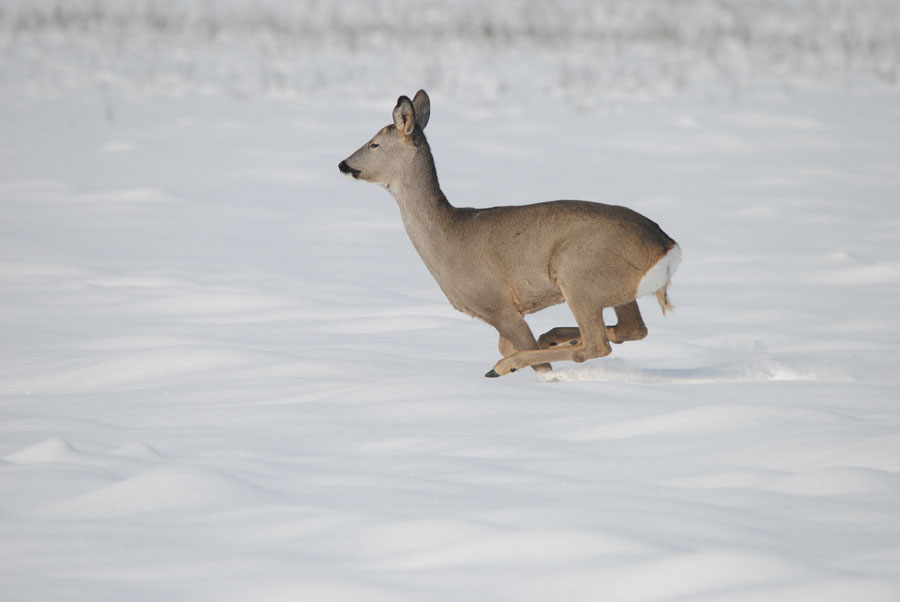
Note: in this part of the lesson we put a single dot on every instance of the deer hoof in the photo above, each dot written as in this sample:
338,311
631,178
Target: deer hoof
492,374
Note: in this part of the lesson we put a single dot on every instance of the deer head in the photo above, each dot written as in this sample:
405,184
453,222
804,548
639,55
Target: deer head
396,150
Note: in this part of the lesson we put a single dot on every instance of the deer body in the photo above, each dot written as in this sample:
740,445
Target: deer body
500,263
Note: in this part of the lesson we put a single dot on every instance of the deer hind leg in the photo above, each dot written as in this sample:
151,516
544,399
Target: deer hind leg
594,341
630,327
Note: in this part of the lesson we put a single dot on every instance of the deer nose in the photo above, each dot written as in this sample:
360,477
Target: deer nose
346,169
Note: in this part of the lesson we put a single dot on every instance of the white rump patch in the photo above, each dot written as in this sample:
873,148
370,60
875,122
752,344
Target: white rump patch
659,275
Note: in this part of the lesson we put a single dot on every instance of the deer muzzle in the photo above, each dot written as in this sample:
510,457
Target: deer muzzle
348,171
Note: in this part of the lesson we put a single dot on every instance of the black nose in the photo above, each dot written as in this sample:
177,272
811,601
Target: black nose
346,169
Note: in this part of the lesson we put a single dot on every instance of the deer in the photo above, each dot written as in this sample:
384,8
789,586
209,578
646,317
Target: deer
499,264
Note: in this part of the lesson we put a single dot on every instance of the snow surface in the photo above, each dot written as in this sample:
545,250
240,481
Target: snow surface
226,375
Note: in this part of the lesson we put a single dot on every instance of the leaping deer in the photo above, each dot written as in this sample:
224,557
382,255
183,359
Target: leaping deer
501,263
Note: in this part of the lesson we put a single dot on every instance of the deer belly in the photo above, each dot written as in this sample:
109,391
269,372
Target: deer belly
529,299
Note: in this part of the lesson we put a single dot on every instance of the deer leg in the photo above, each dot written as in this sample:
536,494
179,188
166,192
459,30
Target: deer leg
593,343
506,348
516,336
561,335
630,326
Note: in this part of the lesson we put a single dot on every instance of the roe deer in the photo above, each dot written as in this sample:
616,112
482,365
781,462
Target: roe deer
501,263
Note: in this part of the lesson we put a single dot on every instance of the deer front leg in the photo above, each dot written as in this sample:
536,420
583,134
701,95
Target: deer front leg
506,348
594,341
515,335
575,353
561,335
570,335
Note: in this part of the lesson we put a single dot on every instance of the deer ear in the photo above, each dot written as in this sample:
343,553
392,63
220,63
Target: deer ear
404,116
422,105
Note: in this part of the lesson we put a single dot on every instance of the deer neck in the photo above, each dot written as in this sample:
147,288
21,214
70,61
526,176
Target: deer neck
426,212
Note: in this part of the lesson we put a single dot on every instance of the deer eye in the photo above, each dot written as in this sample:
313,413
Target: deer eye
373,145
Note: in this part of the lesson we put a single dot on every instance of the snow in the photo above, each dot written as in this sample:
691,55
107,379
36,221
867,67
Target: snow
226,375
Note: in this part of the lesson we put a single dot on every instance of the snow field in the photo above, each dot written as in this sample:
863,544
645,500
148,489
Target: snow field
226,378
226,375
